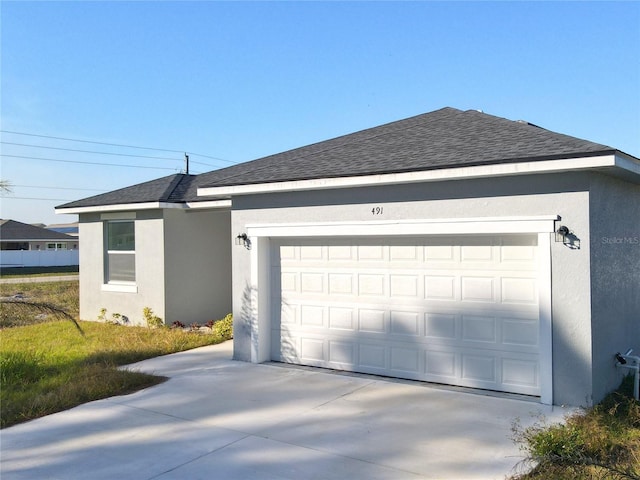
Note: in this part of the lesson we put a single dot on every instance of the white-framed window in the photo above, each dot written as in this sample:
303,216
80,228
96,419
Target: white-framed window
120,251
56,246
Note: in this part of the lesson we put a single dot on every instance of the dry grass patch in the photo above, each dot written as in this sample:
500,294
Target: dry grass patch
48,365
602,443
63,295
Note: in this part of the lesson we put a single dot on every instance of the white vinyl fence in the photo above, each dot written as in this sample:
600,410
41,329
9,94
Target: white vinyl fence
38,258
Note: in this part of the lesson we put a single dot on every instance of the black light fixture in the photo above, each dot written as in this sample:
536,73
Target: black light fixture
561,233
243,239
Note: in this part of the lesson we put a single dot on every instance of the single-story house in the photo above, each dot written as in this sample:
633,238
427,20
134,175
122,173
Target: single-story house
16,235
70,229
452,247
25,245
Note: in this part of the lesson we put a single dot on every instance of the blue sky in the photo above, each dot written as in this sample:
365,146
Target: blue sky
237,81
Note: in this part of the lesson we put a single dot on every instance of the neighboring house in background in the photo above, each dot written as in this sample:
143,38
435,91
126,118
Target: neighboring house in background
452,247
70,229
25,245
23,236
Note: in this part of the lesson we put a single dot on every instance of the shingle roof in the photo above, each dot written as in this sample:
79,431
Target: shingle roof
159,190
444,138
440,139
13,231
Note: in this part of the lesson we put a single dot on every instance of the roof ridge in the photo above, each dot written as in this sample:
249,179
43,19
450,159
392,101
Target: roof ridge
173,185
378,128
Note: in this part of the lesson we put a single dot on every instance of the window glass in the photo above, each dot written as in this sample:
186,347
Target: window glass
120,256
121,267
121,236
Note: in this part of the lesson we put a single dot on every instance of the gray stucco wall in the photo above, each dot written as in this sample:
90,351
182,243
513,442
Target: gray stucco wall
149,269
183,267
615,265
198,265
566,195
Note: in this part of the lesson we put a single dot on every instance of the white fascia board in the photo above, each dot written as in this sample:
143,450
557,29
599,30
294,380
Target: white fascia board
459,173
144,206
445,226
209,204
119,207
628,163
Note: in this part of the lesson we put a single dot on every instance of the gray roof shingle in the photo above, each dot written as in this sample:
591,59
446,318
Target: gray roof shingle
444,138
13,231
159,190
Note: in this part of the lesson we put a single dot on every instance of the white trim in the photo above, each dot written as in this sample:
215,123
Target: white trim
545,319
259,236
209,204
145,206
627,162
119,287
444,226
479,171
260,300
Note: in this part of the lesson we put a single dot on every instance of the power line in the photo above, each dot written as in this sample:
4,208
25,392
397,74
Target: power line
117,145
86,163
89,151
60,188
34,198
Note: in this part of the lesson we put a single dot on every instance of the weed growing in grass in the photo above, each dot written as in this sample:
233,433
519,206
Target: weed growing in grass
29,303
153,321
50,367
601,443
223,327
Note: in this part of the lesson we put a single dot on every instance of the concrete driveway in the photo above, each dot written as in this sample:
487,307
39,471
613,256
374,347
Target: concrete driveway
221,419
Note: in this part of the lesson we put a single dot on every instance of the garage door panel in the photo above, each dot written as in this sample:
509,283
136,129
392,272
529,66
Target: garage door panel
442,366
403,253
519,290
442,326
404,285
480,329
441,287
405,323
479,370
312,282
341,354
477,253
341,319
496,332
311,252
520,332
451,310
341,252
312,350
312,316
372,321
405,359
372,356
520,373
371,284
478,289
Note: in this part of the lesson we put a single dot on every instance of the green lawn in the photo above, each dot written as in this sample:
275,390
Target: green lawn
49,367
10,272
48,364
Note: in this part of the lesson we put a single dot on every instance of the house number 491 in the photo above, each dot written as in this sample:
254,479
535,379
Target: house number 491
376,211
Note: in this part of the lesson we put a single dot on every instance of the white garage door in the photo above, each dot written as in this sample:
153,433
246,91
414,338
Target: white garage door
454,310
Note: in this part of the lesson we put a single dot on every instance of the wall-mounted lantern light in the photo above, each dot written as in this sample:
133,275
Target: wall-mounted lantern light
561,233
243,239
567,237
